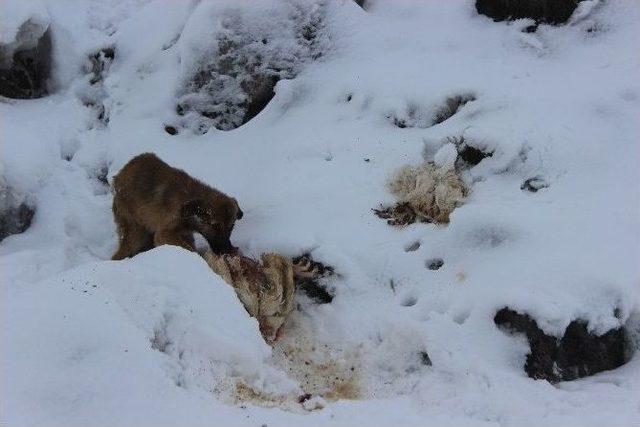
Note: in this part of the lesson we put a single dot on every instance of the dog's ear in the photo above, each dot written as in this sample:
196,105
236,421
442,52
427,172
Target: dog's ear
240,214
190,209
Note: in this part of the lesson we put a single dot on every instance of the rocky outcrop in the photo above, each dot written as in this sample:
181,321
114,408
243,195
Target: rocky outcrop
231,81
542,11
25,61
16,212
577,353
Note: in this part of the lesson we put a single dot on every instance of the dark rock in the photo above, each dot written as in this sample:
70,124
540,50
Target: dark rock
534,184
578,353
24,73
468,155
544,11
361,3
424,358
261,90
171,130
16,211
15,219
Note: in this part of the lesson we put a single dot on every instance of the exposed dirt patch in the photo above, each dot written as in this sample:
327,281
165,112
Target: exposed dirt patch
323,372
245,393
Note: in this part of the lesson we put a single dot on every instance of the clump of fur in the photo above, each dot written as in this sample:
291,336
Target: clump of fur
265,288
429,192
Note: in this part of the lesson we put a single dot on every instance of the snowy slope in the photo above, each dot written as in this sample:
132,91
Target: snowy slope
160,340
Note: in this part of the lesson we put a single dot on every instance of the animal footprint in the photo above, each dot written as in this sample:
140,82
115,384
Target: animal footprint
412,247
434,263
409,301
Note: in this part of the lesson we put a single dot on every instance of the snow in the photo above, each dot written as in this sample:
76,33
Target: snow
161,340
446,156
97,339
17,13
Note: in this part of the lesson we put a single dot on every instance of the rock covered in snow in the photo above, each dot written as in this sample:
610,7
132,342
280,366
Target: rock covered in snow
25,49
578,353
545,11
16,211
233,54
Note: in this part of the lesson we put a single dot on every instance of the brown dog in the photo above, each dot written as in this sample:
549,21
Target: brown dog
155,204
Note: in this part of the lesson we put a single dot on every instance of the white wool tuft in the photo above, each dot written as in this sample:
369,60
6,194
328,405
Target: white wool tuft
433,192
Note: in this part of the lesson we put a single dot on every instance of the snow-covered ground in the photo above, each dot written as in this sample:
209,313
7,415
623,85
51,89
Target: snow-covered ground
161,340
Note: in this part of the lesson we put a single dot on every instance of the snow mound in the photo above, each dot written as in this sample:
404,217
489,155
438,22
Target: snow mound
187,330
